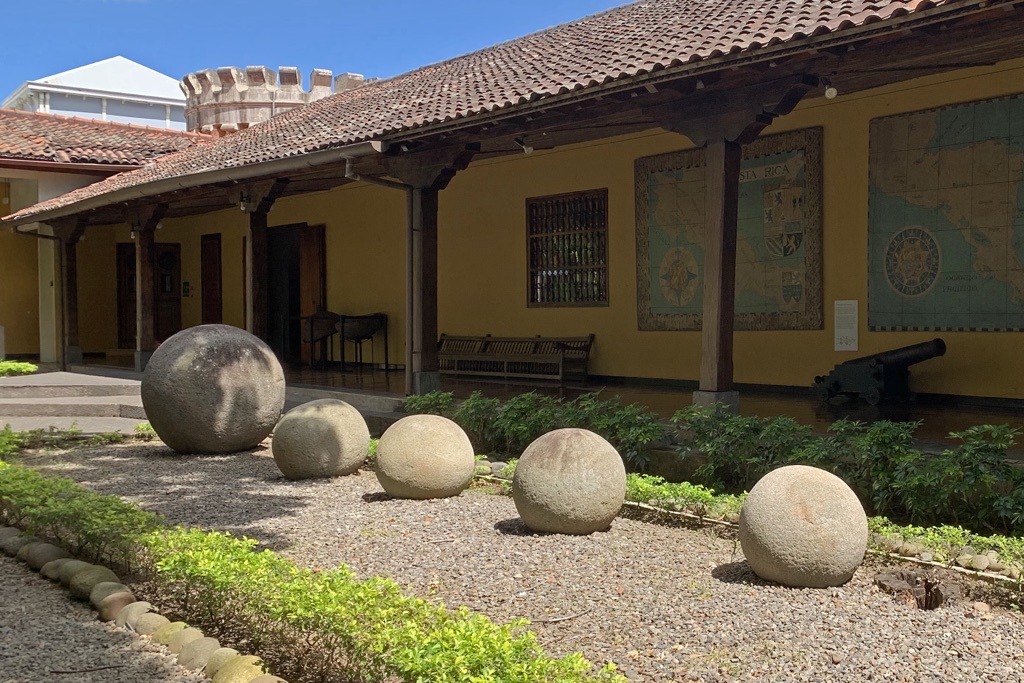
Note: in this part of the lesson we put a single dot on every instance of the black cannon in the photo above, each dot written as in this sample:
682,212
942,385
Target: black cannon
882,376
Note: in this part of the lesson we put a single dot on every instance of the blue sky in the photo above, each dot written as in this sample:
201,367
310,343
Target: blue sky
44,37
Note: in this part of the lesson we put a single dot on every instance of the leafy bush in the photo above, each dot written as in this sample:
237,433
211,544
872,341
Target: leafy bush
738,450
10,368
10,442
144,432
101,527
506,428
327,621
971,484
434,403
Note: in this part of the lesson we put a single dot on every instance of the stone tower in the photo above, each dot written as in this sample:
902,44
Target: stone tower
228,99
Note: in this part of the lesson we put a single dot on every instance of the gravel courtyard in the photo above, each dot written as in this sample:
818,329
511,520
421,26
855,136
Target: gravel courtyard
663,603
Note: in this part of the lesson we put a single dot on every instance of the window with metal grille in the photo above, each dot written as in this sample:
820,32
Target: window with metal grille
567,247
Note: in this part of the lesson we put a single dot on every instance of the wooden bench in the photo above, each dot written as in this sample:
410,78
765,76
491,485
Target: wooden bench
555,358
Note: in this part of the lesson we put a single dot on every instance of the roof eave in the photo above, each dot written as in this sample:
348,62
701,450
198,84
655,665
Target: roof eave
235,174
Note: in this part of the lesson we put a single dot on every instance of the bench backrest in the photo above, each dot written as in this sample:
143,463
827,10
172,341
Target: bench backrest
569,347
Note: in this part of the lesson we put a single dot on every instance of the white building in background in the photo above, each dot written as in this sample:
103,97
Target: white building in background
115,89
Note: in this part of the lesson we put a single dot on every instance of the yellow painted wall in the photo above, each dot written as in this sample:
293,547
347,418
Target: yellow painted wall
483,253
482,247
19,272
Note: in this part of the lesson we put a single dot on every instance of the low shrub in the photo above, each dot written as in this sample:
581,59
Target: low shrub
10,442
11,368
331,625
505,429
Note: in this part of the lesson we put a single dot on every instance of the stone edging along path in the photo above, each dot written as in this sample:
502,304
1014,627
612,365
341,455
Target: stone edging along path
113,601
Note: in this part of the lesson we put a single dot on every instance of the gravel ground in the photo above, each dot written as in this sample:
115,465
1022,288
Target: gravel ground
664,603
47,636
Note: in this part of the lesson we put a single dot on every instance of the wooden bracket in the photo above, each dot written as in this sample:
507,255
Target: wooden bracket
430,169
737,115
257,197
70,229
144,217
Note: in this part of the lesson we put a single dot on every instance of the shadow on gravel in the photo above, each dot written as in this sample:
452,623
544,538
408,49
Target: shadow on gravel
190,489
513,527
737,572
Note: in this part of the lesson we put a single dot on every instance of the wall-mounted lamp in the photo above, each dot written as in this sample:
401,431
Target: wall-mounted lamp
831,92
245,202
132,233
521,141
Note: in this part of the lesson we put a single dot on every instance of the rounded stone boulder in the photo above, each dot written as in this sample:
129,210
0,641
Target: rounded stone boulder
110,607
12,545
240,670
213,389
424,456
82,583
217,659
36,555
131,613
68,570
569,481
194,655
804,527
51,570
325,438
149,623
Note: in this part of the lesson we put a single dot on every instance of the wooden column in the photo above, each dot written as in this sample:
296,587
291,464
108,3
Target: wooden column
258,289
69,232
723,121
722,179
143,221
421,352
257,199
424,175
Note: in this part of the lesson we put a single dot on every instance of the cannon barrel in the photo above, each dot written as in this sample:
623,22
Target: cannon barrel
906,355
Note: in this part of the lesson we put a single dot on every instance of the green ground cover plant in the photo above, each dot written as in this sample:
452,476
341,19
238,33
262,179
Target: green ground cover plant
11,368
329,621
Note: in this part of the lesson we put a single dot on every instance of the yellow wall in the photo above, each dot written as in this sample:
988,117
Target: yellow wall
482,248
483,253
19,273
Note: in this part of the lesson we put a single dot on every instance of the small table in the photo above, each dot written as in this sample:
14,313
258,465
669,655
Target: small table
360,328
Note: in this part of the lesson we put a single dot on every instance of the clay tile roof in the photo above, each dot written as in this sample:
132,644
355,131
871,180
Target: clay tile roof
31,136
621,43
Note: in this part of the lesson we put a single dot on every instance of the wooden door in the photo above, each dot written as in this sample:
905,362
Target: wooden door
125,295
212,287
168,290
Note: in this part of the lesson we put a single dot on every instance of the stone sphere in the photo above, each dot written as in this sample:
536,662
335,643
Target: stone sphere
325,438
569,481
213,389
802,526
424,456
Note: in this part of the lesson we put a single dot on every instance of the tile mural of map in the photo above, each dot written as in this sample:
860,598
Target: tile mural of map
946,218
778,259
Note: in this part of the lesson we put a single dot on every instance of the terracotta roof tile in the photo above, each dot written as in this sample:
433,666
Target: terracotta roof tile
621,43
32,136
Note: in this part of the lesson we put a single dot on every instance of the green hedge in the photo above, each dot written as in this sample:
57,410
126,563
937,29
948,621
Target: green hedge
328,621
10,368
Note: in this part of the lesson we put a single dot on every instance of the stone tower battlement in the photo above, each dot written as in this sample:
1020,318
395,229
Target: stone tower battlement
229,99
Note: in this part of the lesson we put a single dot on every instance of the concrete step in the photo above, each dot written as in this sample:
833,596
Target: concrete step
87,425
364,402
65,385
82,406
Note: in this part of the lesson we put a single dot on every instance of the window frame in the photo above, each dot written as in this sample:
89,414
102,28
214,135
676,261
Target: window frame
598,236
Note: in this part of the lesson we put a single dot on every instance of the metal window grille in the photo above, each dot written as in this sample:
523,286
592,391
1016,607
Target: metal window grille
567,247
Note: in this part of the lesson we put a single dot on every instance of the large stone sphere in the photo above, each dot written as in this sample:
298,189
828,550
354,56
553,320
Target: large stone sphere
325,438
569,481
213,389
802,526
424,456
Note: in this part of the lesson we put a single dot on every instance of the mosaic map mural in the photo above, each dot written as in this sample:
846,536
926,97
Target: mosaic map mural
946,218
778,259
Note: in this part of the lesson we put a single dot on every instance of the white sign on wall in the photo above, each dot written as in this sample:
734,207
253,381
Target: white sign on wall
846,325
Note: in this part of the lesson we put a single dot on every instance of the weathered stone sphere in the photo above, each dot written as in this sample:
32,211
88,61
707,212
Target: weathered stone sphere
213,389
325,438
569,481
424,456
802,526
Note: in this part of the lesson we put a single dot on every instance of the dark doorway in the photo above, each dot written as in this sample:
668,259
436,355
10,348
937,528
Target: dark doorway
167,282
297,285
125,295
212,287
